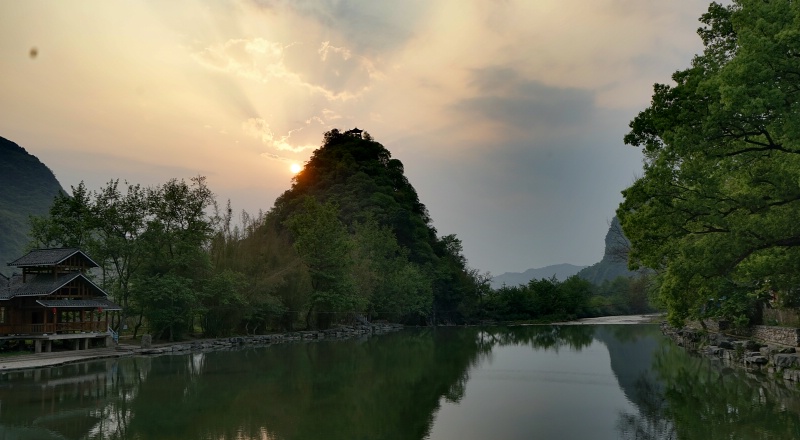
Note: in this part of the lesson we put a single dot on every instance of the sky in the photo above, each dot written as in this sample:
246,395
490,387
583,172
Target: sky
508,115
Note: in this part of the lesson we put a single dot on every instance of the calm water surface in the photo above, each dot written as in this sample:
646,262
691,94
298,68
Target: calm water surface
533,382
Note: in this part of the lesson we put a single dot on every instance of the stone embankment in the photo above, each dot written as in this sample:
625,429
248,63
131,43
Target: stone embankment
342,332
765,348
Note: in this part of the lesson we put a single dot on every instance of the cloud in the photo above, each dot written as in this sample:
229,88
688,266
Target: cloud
519,105
330,71
260,128
273,156
256,59
369,27
303,137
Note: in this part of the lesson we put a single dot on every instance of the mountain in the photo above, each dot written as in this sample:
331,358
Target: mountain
375,203
560,271
27,187
614,263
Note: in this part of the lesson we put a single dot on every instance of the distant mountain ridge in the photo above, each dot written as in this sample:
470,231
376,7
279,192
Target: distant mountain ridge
560,271
614,264
27,187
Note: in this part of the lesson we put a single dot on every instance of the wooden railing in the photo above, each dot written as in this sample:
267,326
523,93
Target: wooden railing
61,327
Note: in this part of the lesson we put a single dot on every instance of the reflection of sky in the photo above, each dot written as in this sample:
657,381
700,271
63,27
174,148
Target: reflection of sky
525,393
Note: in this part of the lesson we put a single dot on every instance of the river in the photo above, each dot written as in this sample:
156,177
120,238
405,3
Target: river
528,382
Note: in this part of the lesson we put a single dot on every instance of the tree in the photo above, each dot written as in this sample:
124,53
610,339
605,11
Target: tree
394,287
177,265
120,220
324,245
70,222
715,210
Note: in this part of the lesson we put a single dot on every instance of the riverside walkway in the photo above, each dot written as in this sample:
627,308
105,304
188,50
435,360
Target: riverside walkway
40,360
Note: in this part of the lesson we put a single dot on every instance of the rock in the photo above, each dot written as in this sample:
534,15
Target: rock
793,375
752,345
785,360
756,359
726,345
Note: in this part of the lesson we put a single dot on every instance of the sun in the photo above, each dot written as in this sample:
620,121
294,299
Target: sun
295,168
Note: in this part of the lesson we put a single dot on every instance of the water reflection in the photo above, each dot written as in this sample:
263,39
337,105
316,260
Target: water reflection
400,386
702,400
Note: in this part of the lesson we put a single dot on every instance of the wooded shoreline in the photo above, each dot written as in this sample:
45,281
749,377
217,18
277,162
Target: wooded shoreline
128,348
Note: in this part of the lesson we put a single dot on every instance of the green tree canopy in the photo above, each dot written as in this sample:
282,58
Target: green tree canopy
716,209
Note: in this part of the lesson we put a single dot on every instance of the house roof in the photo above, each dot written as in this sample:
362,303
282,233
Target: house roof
98,303
50,257
43,284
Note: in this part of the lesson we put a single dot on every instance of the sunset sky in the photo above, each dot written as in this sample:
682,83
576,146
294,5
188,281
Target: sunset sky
508,115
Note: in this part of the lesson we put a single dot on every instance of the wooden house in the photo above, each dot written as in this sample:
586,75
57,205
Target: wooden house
53,299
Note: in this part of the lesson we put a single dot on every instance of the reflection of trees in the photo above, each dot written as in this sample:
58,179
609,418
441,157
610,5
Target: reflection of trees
388,387
696,400
86,400
548,337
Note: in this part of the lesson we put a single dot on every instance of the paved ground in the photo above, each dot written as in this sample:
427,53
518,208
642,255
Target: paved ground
38,360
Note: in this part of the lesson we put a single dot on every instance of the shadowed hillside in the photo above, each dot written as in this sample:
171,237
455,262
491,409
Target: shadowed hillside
27,187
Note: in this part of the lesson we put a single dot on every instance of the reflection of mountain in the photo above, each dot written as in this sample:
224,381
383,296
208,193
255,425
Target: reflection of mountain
632,349
679,396
388,388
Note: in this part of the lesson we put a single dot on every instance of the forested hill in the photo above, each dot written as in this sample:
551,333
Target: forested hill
386,247
27,187
614,262
360,177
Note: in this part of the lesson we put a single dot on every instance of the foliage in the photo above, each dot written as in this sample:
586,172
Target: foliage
552,300
624,296
541,300
324,245
715,211
276,285
150,243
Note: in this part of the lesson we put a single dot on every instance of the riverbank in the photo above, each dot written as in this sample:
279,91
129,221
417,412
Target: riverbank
128,348
756,355
134,348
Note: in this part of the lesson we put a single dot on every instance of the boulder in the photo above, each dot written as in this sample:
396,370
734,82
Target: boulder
785,360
